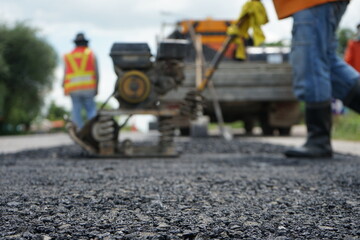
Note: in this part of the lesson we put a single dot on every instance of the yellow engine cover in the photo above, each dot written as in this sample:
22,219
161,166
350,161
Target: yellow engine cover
134,87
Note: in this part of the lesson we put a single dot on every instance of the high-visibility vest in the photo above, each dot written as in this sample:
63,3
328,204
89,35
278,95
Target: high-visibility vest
80,70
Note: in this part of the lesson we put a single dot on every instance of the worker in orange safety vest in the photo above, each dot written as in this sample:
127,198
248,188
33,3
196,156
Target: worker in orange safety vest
352,53
319,74
81,80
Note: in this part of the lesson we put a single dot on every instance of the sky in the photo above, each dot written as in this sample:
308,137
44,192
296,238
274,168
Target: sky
107,21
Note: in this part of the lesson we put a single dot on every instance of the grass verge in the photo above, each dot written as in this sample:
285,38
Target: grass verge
346,127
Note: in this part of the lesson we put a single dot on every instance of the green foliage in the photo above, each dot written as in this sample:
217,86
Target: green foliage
236,124
274,44
107,106
56,112
344,35
347,127
27,63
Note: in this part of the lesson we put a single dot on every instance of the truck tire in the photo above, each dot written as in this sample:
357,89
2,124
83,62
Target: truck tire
284,131
267,130
248,126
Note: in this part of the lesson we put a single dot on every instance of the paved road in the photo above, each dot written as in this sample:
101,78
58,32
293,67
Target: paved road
298,137
11,144
216,189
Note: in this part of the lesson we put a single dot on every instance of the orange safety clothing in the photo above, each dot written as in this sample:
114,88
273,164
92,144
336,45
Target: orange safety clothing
80,70
352,54
285,8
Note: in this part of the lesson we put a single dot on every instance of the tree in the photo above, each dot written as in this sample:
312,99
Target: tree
56,112
344,34
27,64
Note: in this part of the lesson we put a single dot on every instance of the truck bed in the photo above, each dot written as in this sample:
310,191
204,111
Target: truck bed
252,92
243,81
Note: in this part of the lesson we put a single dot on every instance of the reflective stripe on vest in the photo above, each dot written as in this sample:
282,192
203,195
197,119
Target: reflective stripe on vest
80,72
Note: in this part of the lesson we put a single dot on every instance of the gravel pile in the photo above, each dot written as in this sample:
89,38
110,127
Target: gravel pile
214,190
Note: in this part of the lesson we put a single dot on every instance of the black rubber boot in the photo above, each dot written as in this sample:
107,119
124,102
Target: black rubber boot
318,144
352,101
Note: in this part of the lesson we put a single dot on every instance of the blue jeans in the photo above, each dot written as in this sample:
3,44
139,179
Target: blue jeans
319,74
82,100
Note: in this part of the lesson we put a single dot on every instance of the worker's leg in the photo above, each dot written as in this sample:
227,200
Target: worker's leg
313,35
90,105
345,80
352,100
76,110
318,123
313,55
346,84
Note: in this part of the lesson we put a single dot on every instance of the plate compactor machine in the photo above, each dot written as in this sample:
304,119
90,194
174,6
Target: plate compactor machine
141,83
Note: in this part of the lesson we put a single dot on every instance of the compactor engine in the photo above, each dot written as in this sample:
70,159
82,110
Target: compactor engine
142,80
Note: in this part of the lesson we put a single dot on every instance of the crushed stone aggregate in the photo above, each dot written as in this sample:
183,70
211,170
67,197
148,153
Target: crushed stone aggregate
214,190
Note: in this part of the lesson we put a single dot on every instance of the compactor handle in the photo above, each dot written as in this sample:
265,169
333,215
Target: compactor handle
218,57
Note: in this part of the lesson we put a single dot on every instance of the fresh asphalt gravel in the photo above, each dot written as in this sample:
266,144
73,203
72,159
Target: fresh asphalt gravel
214,190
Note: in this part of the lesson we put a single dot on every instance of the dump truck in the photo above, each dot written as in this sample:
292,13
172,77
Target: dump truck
256,90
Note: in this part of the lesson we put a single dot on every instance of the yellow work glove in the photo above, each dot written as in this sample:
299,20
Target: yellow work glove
232,30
